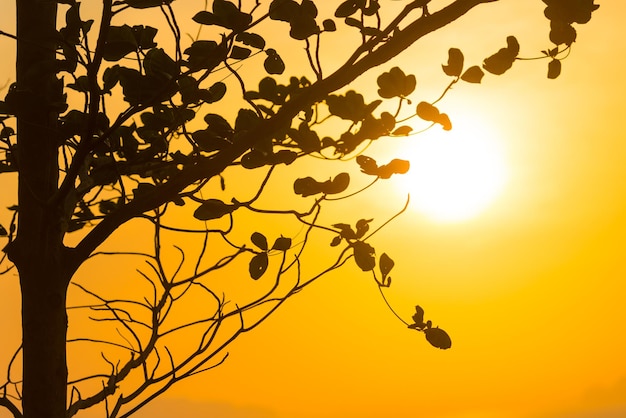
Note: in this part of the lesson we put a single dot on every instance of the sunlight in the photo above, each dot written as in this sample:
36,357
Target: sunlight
454,175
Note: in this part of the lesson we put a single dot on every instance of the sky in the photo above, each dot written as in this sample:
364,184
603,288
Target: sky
530,287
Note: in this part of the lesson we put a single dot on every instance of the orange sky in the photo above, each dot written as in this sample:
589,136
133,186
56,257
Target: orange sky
531,290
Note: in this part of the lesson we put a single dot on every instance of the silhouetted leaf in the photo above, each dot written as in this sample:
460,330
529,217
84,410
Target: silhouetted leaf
282,244
347,8
3,232
502,60
455,63
251,39
273,63
336,241
402,131
239,53
259,240
418,317
258,265
144,4
368,165
350,106
562,33
225,14
283,10
364,255
345,231
338,184
430,113
554,69
473,74
329,25
395,84
362,226
438,338
395,166
213,209
385,264
120,42
427,111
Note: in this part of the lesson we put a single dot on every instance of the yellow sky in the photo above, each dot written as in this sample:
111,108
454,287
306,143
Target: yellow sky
531,290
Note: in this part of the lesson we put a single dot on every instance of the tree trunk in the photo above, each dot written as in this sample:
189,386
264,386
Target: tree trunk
38,250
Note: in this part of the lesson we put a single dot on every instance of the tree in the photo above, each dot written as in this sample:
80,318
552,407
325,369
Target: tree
85,170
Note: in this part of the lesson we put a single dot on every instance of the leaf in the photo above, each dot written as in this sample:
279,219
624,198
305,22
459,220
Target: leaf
427,111
562,33
473,75
251,39
395,166
395,83
438,338
455,63
282,244
239,53
430,113
347,8
213,209
3,231
554,69
283,10
336,241
273,64
502,60
362,226
368,165
364,255
385,264
329,25
144,4
258,265
119,43
338,184
259,240
402,131
418,317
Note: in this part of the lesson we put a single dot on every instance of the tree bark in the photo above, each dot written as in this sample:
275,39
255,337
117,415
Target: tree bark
38,250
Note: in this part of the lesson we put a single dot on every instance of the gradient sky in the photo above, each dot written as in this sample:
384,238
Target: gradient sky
531,290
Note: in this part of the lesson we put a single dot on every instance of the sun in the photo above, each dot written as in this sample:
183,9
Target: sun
456,174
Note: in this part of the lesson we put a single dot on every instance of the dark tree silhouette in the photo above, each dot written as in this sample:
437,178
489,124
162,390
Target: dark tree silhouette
174,149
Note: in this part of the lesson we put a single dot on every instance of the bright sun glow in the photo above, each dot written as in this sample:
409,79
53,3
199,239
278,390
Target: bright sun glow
455,175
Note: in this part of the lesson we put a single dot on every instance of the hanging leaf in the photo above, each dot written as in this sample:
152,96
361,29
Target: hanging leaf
455,63
3,231
239,53
251,39
395,166
502,60
554,69
283,10
430,113
273,64
385,264
473,75
438,338
282,244
259,240
329,25
144,4
213,209
258,265
364,255
362,226
347,8
404,130
395,84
